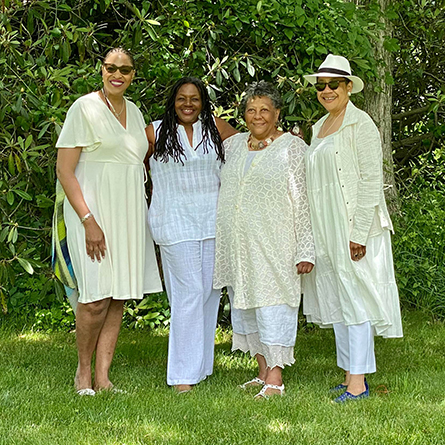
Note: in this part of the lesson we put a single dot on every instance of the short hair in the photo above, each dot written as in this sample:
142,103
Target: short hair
261,89
119,49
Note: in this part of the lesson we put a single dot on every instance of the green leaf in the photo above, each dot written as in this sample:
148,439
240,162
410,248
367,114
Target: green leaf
23,194
153,22
4,233
26,265
236,74
10,197
250,68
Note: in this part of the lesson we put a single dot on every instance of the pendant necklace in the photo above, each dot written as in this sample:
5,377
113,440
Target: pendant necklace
110,105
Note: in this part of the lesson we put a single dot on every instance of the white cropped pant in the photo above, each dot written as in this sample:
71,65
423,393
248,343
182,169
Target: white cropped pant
355,347
188,277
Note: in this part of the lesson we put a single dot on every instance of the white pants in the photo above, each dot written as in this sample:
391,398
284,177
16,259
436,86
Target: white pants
188,277
355,347
269,331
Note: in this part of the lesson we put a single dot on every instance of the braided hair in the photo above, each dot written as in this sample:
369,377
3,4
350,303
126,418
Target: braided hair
119,49
167,144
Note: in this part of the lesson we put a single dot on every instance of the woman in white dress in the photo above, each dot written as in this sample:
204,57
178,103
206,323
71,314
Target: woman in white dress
185,170
352,287
263,236
102,147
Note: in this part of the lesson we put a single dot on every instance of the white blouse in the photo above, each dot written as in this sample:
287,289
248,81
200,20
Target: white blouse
184,201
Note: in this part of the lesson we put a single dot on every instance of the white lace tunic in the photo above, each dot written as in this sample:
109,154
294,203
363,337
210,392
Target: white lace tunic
263,225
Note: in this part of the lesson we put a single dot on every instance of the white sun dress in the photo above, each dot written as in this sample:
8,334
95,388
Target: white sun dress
111,176
340,290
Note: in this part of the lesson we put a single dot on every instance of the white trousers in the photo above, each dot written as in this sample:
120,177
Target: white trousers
188,277
269,331
355,347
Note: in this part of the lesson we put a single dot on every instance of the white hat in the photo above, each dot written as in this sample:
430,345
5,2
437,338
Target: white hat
336,66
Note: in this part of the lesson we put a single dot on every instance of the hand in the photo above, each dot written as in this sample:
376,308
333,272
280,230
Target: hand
94,239
357,251
304,267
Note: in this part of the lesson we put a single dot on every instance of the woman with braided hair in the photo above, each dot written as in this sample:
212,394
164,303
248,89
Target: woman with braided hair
186,156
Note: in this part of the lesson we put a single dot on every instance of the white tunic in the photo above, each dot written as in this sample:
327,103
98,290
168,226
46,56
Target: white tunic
340,290
111,176
263,223
183,206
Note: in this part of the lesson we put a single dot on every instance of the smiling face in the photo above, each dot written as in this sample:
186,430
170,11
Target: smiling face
261,117
116,83
188,104
336,100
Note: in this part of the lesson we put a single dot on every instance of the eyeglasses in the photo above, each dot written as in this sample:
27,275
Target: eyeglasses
333,85
124,69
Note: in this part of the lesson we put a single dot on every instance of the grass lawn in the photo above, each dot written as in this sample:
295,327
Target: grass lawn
38,404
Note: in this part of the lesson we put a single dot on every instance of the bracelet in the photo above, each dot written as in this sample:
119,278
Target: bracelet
88,215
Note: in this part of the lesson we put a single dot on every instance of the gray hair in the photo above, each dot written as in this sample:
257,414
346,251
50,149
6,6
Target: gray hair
261,89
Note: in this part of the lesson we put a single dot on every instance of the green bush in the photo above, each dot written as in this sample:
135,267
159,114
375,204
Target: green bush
419,243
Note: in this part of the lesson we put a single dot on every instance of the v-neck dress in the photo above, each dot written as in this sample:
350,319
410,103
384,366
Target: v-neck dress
263,227
111,176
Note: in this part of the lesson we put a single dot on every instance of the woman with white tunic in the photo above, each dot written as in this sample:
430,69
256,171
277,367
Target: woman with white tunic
352,287
102,147
263,236
185,170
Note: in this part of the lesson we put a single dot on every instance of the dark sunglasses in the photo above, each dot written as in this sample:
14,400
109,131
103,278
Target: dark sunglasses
124,69
333,85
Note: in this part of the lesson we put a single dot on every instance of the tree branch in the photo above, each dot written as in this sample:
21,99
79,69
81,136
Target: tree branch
400,116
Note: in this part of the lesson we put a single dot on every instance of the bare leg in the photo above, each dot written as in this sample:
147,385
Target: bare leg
90,318
262,367
106,344
270,376
356,384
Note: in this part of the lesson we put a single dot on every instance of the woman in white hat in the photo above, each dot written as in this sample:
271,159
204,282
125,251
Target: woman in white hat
352,287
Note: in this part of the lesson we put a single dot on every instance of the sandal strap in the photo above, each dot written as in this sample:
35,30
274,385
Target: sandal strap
263,394
254,380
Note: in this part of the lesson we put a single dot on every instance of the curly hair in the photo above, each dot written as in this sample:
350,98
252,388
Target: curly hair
167,144
261,89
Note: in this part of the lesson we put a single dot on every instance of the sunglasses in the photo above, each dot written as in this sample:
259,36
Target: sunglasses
333,85
124,69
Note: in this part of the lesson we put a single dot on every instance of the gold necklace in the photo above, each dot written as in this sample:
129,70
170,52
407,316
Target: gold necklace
333,122
110,105
260,145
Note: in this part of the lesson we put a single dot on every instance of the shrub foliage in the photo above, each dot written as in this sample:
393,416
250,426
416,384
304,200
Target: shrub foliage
50,55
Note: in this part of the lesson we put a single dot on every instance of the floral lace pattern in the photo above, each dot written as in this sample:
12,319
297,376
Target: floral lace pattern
275,355
263,225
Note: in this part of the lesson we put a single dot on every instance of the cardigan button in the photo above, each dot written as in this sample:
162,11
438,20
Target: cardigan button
336,152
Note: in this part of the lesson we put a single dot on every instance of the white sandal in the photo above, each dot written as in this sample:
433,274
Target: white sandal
254,382
262,394
86,392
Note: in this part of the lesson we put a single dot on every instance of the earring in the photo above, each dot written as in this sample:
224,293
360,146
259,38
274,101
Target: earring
349,93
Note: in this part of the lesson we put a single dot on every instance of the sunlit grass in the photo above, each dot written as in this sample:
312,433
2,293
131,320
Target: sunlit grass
38,404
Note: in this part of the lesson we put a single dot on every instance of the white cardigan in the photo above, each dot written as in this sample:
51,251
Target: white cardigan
360,169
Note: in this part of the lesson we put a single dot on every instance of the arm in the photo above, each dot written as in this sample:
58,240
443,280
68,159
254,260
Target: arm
67,159
224,128
305,255
150,132
370,182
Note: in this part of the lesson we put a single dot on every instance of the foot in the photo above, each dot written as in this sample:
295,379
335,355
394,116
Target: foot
82,380
270,390
181,389
357,388
348,397
254,382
